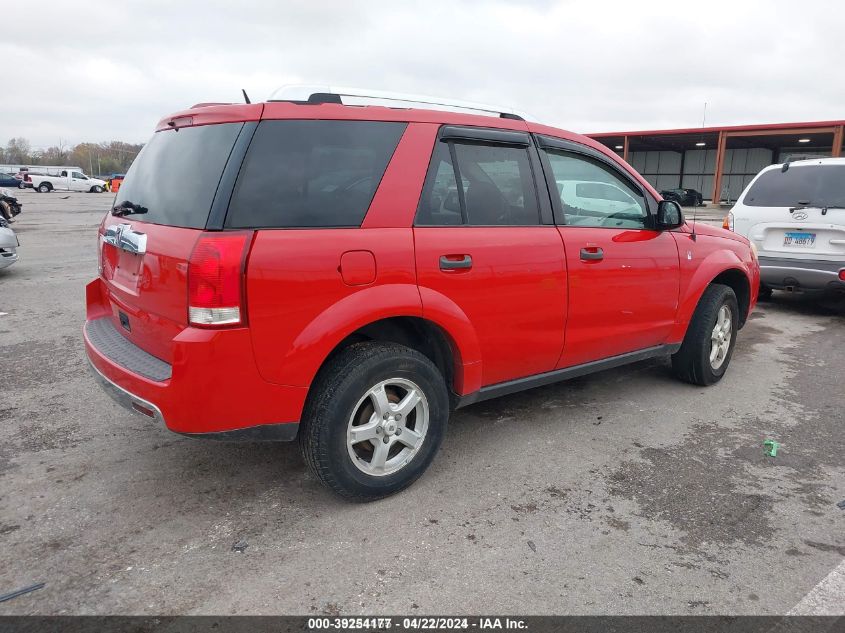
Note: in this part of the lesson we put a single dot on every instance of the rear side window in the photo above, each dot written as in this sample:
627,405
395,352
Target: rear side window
815,185
497,187
312,173
176,175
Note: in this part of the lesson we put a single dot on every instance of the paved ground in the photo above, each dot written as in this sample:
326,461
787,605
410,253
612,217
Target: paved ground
624,492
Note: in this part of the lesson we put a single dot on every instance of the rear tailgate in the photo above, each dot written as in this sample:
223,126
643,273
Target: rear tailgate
162,208
147,293
803,234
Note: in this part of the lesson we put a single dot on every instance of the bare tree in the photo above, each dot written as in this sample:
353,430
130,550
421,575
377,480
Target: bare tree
18,150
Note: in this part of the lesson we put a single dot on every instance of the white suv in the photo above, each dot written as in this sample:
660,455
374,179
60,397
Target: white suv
794,214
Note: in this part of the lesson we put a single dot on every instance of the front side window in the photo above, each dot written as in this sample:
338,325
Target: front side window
496,187
78,175
312,173
591,194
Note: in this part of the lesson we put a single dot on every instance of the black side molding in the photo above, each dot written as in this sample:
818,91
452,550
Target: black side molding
548,378
283,432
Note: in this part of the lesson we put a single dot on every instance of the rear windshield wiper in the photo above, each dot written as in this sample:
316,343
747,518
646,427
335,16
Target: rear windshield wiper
128,208
823,207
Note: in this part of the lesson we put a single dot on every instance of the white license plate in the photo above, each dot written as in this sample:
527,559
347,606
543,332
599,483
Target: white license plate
799,239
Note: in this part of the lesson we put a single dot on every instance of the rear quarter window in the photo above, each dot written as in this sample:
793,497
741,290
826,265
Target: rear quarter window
176,174
312,173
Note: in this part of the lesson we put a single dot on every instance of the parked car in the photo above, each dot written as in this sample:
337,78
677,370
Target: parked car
794,214
684,197
8,180
290,270
585,202
9,206
8,245
66,181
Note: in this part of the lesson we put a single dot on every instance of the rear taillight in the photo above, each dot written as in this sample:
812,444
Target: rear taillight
215,280
842,274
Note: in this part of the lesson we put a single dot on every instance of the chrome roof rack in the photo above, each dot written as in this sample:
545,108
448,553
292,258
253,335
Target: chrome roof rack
357,96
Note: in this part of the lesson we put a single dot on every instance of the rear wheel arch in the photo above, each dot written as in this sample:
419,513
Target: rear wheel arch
348,318
417,333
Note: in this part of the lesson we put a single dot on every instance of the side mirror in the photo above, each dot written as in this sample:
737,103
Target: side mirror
669,215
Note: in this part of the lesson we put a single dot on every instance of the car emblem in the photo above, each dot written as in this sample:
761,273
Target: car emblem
798,216
122,236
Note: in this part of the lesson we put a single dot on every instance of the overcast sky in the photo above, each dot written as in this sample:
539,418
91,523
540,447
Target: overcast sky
105,70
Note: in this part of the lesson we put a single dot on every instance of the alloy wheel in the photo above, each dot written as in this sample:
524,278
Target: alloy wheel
387,427
720,338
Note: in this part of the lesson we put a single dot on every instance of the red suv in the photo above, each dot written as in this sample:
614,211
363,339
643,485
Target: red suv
347,275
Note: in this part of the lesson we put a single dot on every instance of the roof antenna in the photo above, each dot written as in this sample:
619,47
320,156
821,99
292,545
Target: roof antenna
246,96
693,235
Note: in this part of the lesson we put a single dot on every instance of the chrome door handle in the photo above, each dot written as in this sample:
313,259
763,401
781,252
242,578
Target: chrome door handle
455,264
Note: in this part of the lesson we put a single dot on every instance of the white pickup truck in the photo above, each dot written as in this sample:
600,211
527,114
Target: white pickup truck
66,181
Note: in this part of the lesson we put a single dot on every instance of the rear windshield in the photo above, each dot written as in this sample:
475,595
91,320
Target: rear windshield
176,174
806,185
311,173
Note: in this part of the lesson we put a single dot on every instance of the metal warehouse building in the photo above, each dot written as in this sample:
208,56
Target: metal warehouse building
720,161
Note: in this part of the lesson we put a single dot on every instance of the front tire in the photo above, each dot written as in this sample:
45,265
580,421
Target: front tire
374,420
709,343
96,189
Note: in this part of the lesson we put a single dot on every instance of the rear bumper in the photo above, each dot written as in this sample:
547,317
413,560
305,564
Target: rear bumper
801,274
212,389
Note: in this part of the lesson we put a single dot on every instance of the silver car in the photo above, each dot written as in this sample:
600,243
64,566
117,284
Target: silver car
8,245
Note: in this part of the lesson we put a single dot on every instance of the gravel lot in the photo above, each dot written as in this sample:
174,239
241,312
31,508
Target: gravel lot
623,492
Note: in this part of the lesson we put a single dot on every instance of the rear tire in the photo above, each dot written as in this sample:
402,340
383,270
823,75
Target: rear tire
364,434
709,343
765,293
44,187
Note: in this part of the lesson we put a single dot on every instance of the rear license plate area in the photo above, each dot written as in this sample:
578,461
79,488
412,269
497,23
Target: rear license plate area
799,239
127,270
